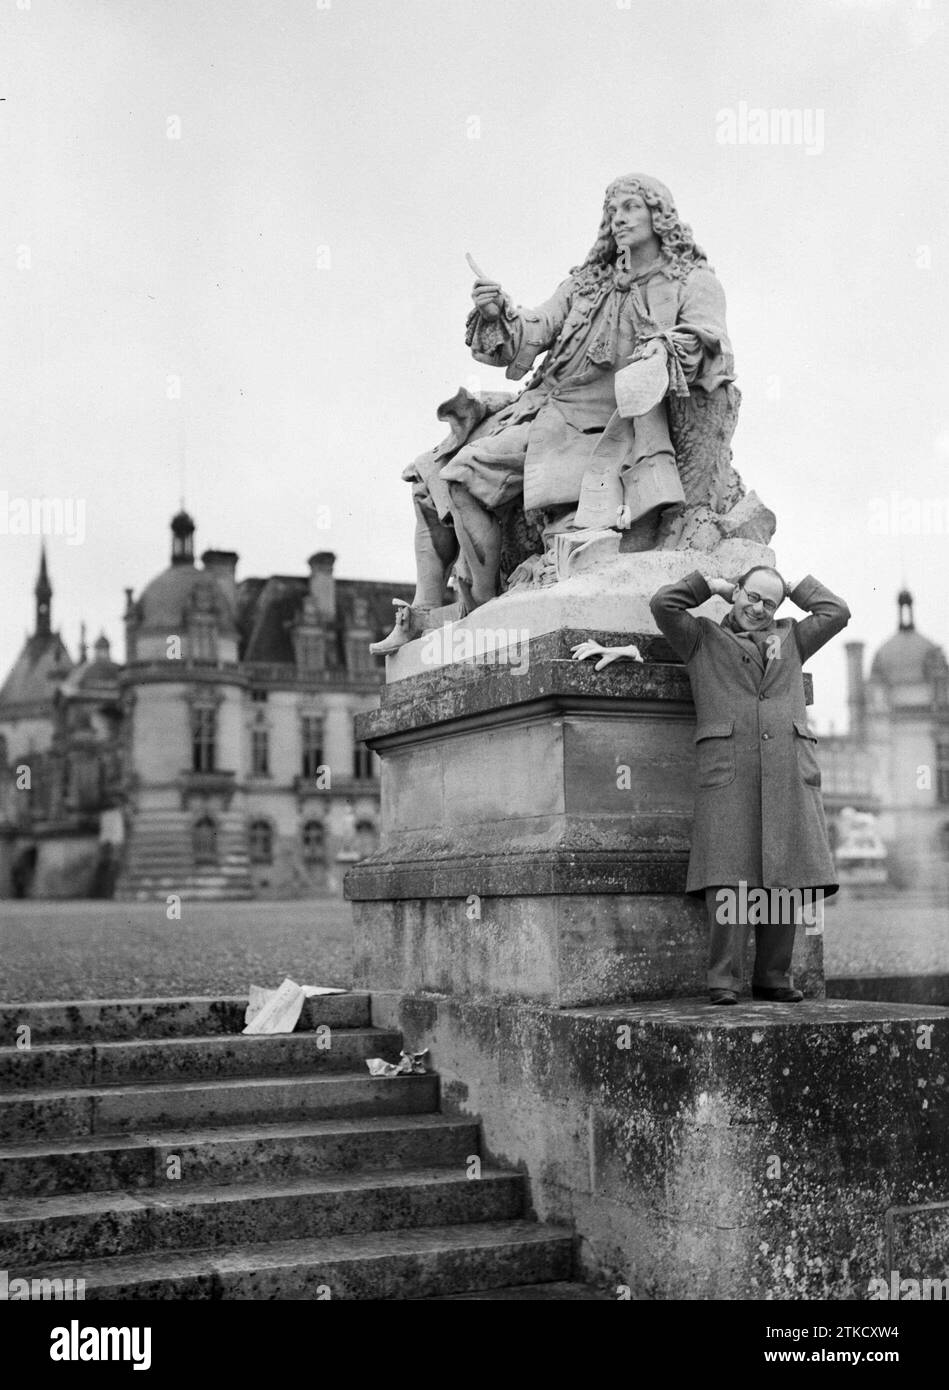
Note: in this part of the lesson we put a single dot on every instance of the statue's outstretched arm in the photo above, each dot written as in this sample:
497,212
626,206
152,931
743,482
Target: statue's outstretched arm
518,335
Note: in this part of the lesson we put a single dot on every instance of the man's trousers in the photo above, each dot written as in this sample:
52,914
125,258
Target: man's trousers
774,945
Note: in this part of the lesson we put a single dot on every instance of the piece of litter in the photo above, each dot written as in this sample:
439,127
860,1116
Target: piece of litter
410,1063
277,1010
377,1067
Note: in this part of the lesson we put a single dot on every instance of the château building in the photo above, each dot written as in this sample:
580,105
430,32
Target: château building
894,759
219,761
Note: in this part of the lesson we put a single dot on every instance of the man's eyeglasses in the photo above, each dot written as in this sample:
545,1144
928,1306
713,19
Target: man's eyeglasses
766,603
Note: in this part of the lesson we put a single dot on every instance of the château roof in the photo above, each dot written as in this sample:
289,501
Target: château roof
268,609
907,658
166,602
97,678
30,684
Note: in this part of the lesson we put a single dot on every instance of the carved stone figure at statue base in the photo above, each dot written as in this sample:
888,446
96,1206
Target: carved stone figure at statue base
624,427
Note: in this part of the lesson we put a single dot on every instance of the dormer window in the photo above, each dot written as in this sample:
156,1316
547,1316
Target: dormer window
203,639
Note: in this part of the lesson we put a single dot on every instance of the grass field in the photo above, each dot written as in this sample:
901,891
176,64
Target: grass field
75,950
85,950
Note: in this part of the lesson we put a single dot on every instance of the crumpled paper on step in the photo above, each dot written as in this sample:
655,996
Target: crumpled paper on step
277,1010
409,1064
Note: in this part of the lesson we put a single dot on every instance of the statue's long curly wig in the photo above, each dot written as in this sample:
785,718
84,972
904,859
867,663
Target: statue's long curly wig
678,247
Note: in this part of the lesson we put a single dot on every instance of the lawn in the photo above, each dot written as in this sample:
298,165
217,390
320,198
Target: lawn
76,950
109,950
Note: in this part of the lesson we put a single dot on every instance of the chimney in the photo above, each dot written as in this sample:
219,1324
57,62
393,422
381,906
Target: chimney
322,583
222,564
856,691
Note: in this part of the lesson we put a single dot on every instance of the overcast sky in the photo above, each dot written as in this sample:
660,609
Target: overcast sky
270,203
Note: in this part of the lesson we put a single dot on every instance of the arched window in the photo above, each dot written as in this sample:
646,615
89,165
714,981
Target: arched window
311,727
261,842
314,842
942,773
365,837
203,738
363,765
204,840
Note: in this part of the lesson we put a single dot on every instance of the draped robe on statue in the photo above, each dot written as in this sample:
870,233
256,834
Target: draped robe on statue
539,444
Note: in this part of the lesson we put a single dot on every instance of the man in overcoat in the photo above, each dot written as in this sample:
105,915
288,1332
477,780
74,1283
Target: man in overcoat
759,818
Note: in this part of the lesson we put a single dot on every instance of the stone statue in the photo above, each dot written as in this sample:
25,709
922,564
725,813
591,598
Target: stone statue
623,427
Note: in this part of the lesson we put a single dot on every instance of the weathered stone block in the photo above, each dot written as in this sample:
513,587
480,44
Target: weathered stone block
765,1151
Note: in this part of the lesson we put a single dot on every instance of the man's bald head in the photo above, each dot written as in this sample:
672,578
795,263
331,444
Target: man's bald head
747,577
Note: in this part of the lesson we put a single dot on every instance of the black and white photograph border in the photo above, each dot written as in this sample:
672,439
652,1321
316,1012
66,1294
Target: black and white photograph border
474,707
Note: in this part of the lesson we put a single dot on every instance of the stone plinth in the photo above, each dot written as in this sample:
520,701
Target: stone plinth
756,1152
601,587
535,831
524,918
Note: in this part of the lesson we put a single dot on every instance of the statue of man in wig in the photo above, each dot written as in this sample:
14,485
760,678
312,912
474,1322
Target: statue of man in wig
625,422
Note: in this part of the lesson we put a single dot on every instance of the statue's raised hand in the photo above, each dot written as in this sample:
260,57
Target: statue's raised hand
487,293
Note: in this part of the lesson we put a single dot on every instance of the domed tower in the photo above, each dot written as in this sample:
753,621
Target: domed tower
908,732
909,667
183,694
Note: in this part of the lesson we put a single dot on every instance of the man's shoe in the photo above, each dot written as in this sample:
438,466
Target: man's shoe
722,996
777,996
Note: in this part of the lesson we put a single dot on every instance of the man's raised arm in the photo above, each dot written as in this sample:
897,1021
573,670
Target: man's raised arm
669,606
829,615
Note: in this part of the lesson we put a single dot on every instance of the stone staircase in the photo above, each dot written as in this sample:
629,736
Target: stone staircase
159,860
152,1150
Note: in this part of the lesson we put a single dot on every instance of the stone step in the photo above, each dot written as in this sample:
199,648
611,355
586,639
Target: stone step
151,848
122,1109
235,1153
156,865
97,1225
131,894
415,1263
147,845
185,893
61,1065
219,877
103,1020
534,1293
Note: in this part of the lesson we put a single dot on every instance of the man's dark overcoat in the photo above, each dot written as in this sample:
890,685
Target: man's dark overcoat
759,817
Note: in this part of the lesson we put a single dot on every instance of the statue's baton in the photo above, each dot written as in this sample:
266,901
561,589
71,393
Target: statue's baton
479,273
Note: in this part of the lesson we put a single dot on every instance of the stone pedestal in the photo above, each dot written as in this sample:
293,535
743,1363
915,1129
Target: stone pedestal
535,832
755,1152
524,918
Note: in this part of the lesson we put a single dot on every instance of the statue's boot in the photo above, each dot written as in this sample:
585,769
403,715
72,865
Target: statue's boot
406,629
